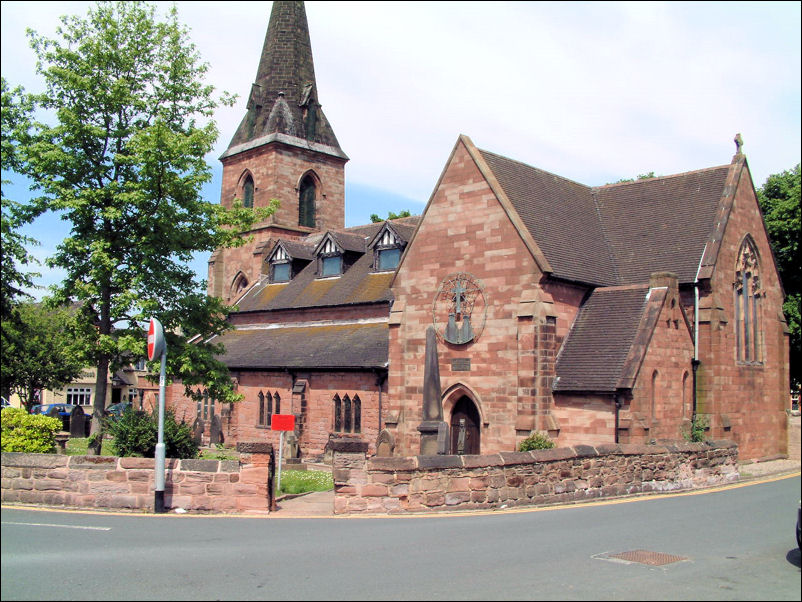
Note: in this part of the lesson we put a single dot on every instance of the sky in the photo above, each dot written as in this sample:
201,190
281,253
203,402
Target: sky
594,92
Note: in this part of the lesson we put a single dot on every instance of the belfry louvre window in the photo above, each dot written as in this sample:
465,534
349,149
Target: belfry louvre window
347,414
747,300
247,192
306,202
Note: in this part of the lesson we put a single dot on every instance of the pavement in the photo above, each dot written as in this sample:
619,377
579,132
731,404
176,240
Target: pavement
320,504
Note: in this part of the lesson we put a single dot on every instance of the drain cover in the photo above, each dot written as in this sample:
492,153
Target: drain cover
647,557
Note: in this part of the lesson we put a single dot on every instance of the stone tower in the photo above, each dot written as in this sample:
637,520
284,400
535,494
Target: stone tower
283,149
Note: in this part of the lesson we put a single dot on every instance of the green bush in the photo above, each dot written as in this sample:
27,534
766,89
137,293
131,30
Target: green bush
695,430
536,441
136,433
29,433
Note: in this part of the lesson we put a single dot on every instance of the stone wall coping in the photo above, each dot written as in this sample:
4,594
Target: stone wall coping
348,446
408,463
254,447
196,465
23,460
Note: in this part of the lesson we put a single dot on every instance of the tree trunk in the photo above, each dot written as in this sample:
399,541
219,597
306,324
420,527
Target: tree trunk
99,405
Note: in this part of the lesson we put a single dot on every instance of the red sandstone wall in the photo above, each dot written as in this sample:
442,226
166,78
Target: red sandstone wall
465,229
750,398
663,413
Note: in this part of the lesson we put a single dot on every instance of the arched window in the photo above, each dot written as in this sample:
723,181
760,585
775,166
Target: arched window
747,304
269,409
239,285
357,406
686,395
347,414
338,408
653,395
277,399
261,408
306,202
247,192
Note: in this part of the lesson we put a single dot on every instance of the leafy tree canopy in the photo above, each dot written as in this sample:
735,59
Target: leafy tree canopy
43,349
16,111
779,199
122,157
374,217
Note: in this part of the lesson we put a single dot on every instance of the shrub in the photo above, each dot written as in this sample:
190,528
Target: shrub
29,433
136,433
694,431
536,441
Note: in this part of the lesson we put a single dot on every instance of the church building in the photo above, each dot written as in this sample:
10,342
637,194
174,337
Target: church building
518,302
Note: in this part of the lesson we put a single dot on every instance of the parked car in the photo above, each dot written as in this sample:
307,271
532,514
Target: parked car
116,410
64,409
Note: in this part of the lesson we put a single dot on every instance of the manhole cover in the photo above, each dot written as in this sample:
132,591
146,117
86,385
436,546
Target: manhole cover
647,557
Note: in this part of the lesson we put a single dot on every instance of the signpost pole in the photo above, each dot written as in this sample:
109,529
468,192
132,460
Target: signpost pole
280,452
158,500
158,347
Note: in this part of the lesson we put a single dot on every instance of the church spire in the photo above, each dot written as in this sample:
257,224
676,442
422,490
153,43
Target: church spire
283,102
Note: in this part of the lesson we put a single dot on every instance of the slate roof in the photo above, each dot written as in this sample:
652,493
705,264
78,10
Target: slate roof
596,355
615,234
661,224
359,284
285,82
338,346
561,216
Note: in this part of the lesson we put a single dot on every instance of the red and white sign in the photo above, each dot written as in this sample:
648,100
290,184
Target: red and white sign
283,422
156,343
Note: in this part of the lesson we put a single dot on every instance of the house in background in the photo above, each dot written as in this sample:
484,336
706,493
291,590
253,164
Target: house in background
599,314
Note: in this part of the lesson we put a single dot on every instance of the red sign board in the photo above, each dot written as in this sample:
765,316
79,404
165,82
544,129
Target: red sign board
155,339
283,422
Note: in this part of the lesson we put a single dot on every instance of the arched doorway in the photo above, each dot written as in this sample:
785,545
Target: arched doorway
465,427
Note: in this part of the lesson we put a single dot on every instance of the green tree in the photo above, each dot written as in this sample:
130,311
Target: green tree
45,350
16,112
779,199
643,176
374,217
124,163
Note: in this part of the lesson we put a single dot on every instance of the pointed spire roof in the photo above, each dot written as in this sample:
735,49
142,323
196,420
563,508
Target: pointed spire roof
283,102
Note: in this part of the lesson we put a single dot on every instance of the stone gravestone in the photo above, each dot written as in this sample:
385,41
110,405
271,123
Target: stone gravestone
197,431
216,430
77,422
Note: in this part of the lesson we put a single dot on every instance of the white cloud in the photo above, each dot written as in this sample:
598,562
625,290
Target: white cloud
591,91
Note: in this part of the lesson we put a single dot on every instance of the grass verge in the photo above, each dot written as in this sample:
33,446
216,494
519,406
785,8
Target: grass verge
303,481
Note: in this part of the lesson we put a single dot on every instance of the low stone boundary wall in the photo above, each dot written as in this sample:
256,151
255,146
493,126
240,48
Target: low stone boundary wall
227,486
422,484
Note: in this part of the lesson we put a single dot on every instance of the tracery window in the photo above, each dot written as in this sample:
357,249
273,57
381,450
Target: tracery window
748,295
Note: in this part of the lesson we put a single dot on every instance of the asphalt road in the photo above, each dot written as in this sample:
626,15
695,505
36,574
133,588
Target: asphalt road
732,544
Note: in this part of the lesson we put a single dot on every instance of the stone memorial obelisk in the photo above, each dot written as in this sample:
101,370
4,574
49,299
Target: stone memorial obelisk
433,429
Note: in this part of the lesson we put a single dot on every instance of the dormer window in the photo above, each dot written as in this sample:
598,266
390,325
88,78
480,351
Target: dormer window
387,250
330,258
332,266
280,266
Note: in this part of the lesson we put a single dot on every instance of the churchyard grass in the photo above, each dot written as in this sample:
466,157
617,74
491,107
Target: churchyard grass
77,446
302,481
